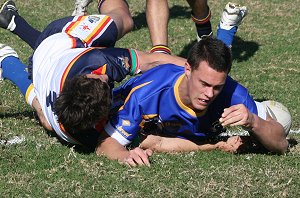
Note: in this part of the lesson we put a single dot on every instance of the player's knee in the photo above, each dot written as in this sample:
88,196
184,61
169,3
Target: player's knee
128,23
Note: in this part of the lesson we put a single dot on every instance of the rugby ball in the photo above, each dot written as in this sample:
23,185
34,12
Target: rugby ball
280,113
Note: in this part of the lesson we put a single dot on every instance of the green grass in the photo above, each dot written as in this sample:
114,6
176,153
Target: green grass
266,60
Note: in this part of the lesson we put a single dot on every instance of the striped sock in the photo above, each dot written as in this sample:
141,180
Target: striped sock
203,26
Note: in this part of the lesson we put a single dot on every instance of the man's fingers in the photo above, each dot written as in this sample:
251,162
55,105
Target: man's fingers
130,162
140,156
232,120
229,110
136,156
148,152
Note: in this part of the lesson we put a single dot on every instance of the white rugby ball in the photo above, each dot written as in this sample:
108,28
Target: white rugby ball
279,113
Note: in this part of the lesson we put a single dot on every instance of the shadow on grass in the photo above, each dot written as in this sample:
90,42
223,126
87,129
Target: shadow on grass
250,145
175,12
241,50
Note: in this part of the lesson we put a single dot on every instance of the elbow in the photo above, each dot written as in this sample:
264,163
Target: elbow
281,148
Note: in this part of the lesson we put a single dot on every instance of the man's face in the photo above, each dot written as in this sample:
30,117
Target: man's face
203,84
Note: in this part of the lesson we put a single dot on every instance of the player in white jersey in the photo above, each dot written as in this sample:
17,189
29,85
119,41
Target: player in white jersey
66,55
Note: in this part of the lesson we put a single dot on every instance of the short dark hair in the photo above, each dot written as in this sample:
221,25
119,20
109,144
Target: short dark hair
82,103
213,51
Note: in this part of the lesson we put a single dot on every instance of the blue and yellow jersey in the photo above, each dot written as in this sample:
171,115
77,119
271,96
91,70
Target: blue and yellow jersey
154,98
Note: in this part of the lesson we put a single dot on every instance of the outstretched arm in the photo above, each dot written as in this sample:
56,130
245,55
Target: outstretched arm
150,60
173,144
268,132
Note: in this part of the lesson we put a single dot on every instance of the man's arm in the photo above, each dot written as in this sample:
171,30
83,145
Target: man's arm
112,149
173,144
37,107
150,60
268,132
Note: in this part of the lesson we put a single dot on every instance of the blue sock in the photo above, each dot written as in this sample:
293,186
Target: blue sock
15,71
226,36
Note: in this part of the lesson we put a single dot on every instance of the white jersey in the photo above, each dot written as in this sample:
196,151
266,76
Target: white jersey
57,59
50,62
72,52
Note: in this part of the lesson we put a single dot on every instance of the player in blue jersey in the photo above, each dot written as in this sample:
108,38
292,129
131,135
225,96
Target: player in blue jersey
193,103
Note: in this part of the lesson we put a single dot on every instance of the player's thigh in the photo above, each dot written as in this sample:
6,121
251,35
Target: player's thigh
108,6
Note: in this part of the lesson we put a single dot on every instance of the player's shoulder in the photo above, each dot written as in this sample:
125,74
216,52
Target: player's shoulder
233,87
162,77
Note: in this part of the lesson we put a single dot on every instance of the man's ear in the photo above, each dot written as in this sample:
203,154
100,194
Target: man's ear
187,69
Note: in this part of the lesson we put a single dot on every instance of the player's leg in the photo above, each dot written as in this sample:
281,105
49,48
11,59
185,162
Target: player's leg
81,7
118,10
12,21
157,15
232,17
201,16
13,69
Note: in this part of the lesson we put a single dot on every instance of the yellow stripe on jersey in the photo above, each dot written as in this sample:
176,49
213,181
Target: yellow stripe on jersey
133,90
98,29
74,24
28,91
149,116
180,103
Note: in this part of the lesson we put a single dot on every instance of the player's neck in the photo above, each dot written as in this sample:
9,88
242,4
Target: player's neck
183,92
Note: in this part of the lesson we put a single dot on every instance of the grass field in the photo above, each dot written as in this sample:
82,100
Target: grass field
266,60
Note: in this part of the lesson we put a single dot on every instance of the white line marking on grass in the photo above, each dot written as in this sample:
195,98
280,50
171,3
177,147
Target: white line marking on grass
295,132
12,141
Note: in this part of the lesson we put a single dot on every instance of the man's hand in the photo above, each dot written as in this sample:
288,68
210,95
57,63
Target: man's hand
231,145
237,115
138,157
112,149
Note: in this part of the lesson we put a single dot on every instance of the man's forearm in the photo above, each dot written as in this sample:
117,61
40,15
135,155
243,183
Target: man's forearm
110,148
150,60
270,134
37,107
170,144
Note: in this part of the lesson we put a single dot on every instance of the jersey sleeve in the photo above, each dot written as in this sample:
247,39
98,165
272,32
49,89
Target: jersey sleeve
240,95
120,62
120,93
126,124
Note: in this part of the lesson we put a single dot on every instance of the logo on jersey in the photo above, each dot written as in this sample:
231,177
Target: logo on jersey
125,62
121,130
125,123
170,126
93,19
50,99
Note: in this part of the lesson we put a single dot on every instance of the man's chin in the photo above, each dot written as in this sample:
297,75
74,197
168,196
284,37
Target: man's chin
200,108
